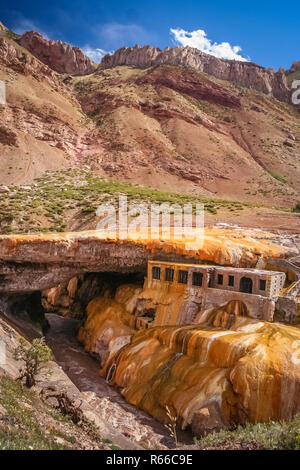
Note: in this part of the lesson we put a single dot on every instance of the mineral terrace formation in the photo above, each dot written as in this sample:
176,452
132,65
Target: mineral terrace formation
227,368
36,262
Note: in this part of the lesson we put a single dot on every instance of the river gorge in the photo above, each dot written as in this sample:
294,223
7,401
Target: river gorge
169,348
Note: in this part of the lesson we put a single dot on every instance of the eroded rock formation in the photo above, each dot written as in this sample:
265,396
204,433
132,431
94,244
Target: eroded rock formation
71,298
228,369
187,82
59,56
25,64
246,74
41,125
38,262
295,66
2,27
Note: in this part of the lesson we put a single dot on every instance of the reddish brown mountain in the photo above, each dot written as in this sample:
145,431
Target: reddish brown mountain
2,27
246,74
59,56
166,126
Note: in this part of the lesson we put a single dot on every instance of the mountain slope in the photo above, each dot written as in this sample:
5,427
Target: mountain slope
42,126
247,74
173,127
59,56
168,127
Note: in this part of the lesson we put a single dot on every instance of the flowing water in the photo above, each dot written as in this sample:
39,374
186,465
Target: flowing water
83,370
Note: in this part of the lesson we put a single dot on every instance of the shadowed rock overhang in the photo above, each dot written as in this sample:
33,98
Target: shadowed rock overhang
40,261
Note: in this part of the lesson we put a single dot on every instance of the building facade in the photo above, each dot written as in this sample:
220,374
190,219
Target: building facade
208,286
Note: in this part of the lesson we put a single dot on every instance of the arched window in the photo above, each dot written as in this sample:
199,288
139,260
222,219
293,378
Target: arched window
246,285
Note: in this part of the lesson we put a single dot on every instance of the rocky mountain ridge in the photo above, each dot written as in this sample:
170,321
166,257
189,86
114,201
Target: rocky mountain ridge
165,127
296,66
246,74
42,125
60,57
64,58
2,27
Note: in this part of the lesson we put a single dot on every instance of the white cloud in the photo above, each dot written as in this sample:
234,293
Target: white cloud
95,54
199,40
115,35
121,32
23,24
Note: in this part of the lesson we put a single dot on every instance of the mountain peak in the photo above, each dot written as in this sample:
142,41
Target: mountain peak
2,27
246,74
60,57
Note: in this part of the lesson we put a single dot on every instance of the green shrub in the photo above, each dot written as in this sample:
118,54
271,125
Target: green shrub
278,177
11,35
283,435
34,355
297,207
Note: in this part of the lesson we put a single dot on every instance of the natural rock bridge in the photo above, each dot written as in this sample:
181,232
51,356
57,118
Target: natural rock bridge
36,262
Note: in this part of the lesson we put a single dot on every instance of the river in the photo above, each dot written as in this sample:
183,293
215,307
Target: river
83,370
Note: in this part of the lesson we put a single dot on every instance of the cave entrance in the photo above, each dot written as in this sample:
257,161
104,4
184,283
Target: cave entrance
246,285
71,297
149,313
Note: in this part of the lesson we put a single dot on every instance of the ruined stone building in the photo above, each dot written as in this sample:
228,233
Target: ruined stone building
200,287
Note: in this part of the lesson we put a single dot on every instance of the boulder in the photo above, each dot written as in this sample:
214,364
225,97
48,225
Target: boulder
208,419
4,189
288,143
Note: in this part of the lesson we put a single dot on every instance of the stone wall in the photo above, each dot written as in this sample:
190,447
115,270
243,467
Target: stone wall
258,306
287,310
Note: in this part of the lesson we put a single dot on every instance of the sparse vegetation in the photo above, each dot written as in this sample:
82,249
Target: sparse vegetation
278,177
297,207
172,425
11,35
34,355
29,423
73,194
20,428
271,436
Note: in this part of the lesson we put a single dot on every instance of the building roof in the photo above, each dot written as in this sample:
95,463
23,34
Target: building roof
262,272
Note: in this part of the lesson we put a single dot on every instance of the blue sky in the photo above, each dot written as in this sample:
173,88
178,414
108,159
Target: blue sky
267,32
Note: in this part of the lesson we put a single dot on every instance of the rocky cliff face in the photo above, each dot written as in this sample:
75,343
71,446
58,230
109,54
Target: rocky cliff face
211,374
245,74
61,57
37,262
187,82
42,126
296,66
2,27
13,58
